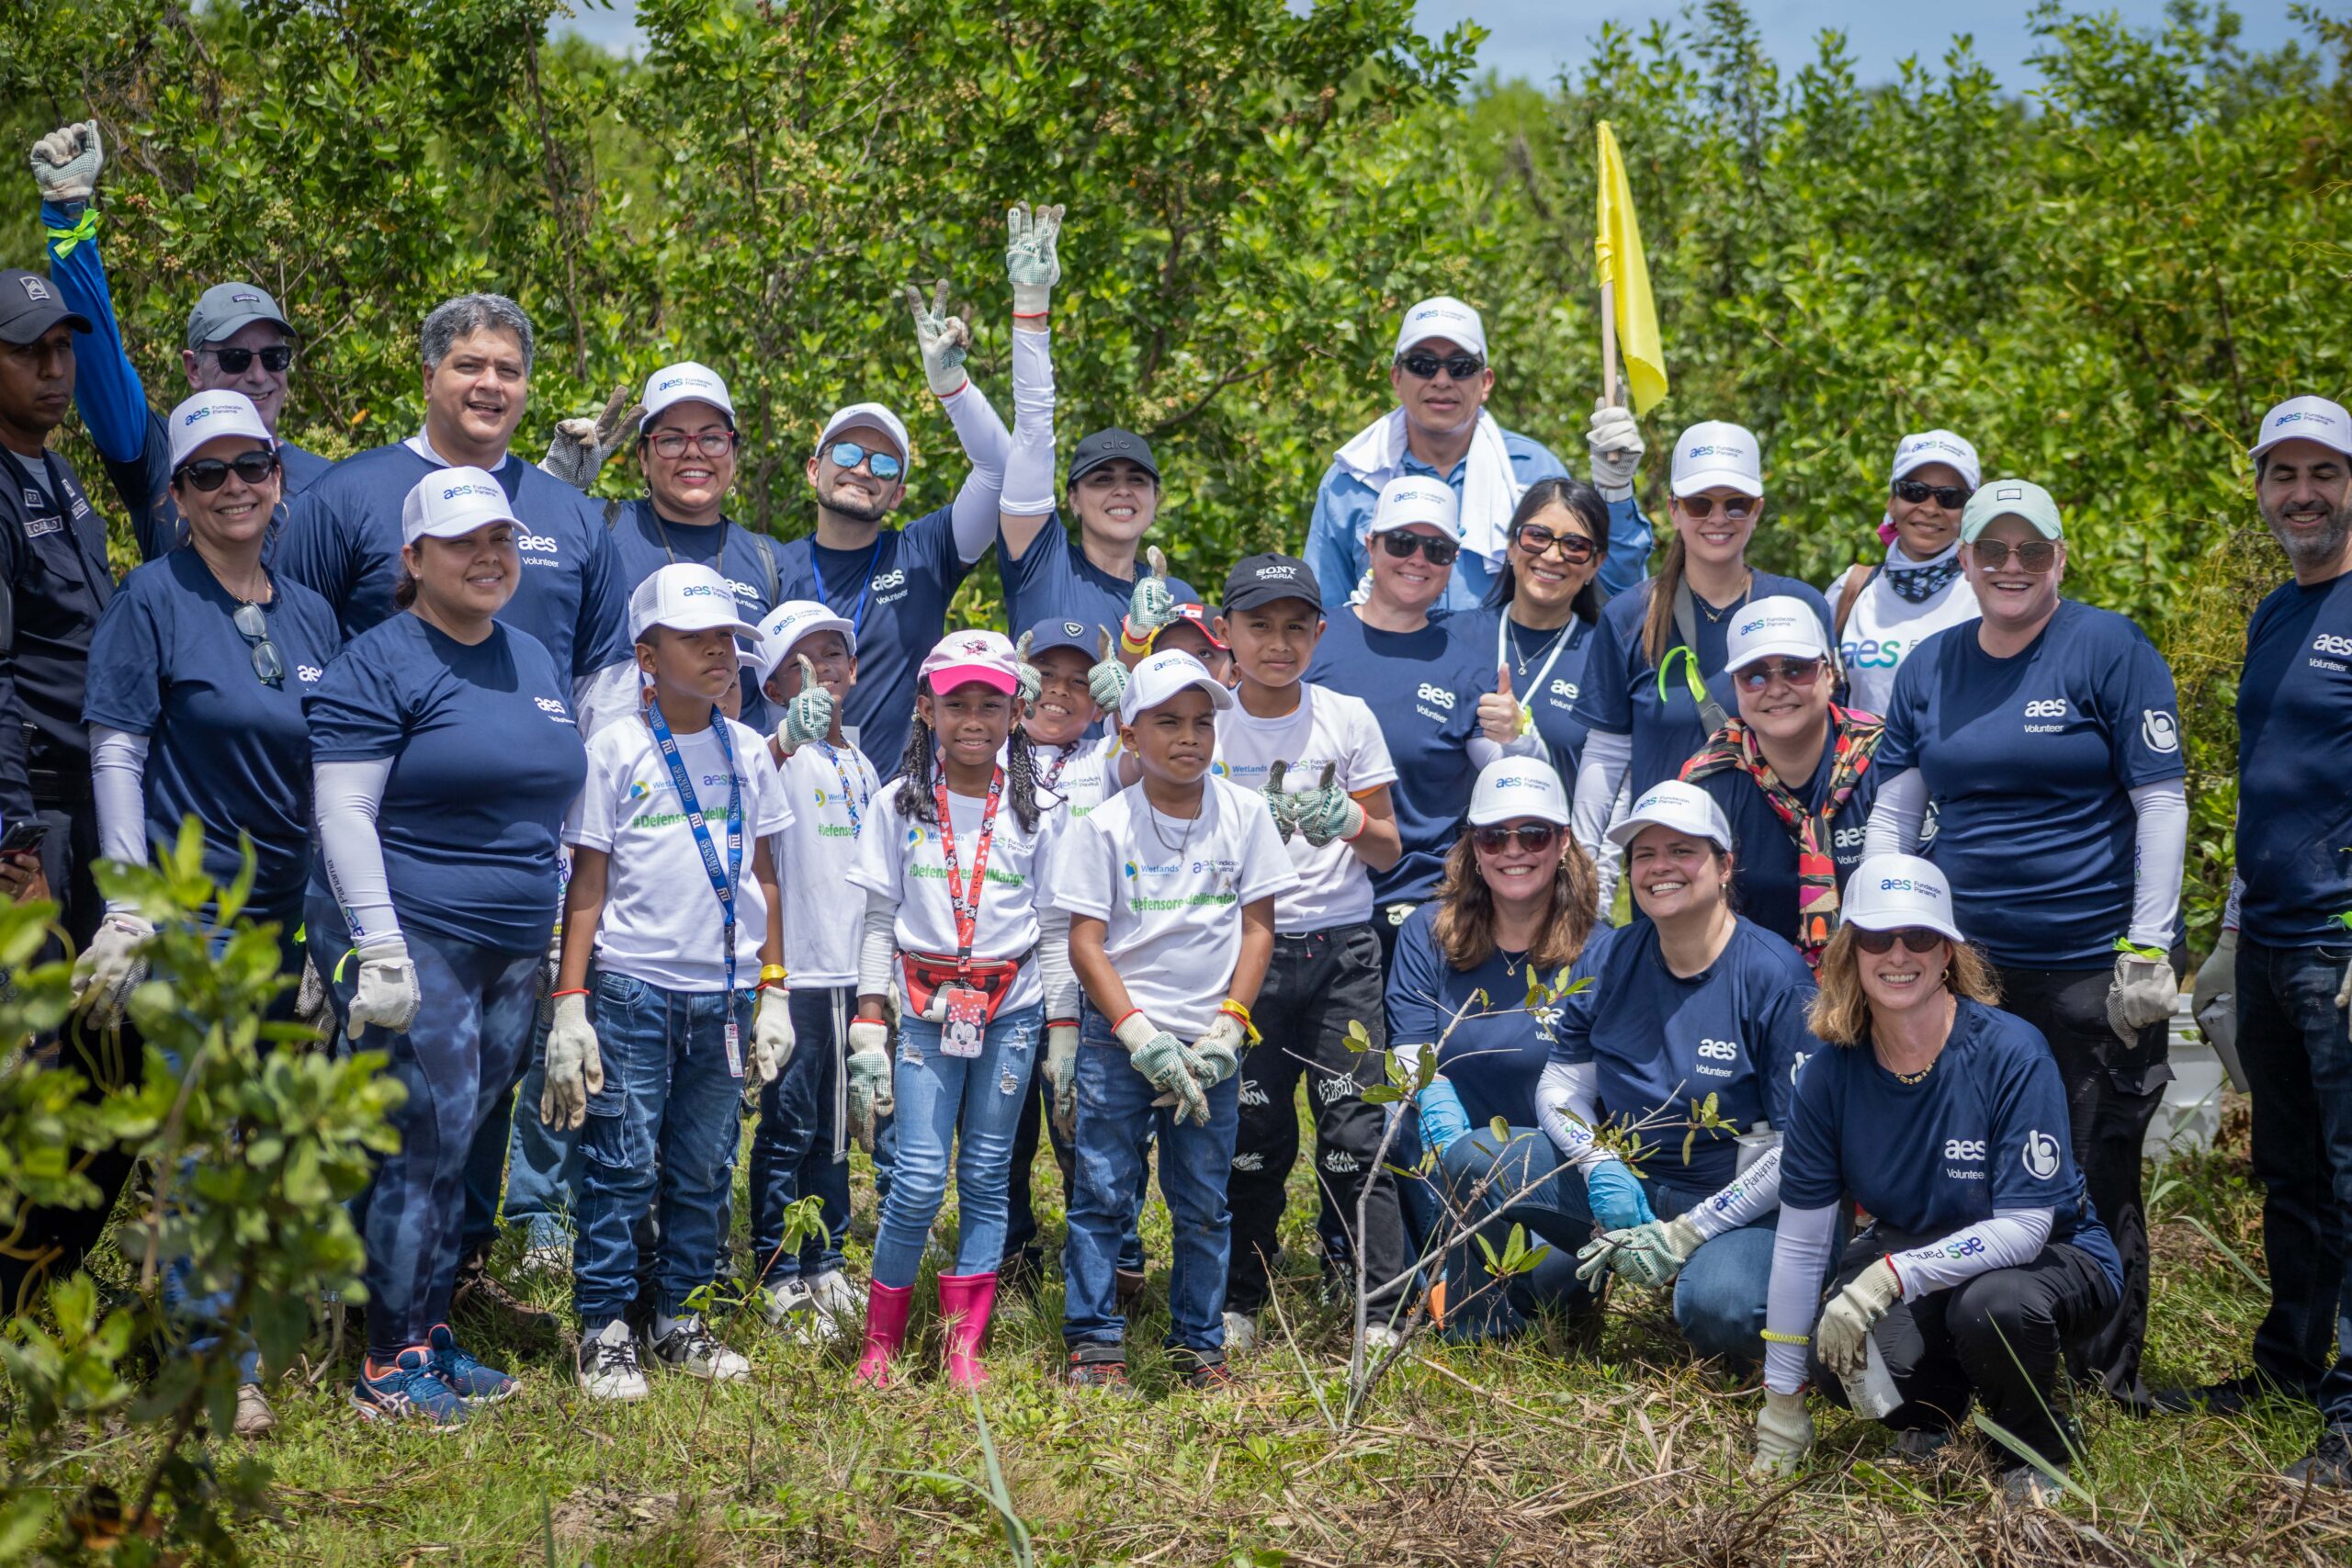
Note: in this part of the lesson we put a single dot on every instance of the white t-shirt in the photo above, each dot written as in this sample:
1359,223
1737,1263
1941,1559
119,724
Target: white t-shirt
901,857
1170,893
1885,627
1334,887
1081,776
832,790
660,923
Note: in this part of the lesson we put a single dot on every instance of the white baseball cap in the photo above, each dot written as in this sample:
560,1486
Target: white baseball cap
1889,893
1684,807
1715,452
961,657
1444,317
785,625
449,503
1511,787
872,414
1780,624
1926,446
1162,676
207,416
2306,418
1417,498
684,382
685,596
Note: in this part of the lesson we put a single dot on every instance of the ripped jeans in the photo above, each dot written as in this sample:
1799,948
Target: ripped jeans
941,1097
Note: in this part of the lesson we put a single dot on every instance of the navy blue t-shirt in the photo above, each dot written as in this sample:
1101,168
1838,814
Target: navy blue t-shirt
1423,687
1735,1030
1056,579
486,760
1622,688
645,543
2031,762
1764,871
168,662
2295,766
896,592
343,539
1987,1129
1495,1055
1554,680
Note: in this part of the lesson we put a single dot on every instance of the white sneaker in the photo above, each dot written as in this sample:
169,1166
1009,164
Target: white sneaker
840,1306
691,1348
1381,1337
609,1364
552,1260
1240,1334
783,1303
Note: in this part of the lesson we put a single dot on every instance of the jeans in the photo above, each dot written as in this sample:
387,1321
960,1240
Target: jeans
538,1166
1116,1120
1021,1211
670,1096
973,1102
1549,1288
800,1148
2298,1056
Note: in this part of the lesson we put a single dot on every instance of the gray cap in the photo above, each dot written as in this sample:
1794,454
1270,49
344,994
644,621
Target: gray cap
225,308
29,306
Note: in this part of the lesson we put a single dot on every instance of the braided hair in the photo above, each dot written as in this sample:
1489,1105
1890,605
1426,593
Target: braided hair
920,762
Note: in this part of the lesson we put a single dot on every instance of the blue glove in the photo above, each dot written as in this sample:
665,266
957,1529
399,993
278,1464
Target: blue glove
1442,1118
1616,1196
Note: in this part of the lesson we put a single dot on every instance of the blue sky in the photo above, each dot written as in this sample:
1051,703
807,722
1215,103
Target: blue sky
1535,38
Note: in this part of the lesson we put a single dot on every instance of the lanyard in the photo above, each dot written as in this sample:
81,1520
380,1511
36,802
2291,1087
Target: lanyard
1570,635
1054,777
853,798
967,905
722,878
865,584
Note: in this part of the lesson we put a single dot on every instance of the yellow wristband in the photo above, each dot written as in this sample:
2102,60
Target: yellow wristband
1772,1338
773,975
1241,1014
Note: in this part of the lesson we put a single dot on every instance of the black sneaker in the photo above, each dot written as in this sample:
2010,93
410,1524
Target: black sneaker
609,1364
1103,1368
2328,1465
691,1348
2231,1396
1920,1445
1201,1369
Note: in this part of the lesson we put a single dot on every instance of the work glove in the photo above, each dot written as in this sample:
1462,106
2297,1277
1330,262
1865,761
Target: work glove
1032,256
310,995
1107,682
580,446
1162,1059
1217,1055
944,340
1653,1254
1327,812
111,967
1281,804
1030,681
1615,1196
808,715
870,1094
386,994
1502,718
575,1064
1842,1338
2143,992
2213,996
1061,1071
66,163
1615,442
772,1038
1783,1433
1442,1118
1151,605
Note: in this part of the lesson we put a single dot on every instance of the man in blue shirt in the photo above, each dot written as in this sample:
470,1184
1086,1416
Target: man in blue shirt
238,340
1440,428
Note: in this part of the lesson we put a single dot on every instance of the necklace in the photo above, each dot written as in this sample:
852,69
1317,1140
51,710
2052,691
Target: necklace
1713,614
1182,840
1520,661
1922,1072
1511,961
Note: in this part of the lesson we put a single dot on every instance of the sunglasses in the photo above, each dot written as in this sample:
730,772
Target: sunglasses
1800,673
209,474
1915,938
1534,838
1397,542
276,361
1698,508
849,455
1421,366
710,443
252,624
1535,538
1951,497
2036,555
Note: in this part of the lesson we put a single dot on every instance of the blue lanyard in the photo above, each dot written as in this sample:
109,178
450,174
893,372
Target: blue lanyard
857,615
850,797
722,879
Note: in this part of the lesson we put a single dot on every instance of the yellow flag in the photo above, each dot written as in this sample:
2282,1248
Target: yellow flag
1625,275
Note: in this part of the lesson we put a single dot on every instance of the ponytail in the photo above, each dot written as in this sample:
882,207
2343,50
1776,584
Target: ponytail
1021,769
1657,622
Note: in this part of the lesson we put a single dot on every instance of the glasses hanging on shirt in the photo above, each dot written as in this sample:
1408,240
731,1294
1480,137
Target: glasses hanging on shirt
252,624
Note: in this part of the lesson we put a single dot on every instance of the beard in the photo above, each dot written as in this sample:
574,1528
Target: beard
2310,549
854,510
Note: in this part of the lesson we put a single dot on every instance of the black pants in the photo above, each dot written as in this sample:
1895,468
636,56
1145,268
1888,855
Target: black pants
1315,987
1997,1338
2112,1095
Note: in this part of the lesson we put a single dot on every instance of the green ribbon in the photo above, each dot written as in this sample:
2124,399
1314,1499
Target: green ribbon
2152,955
63,241
1690,673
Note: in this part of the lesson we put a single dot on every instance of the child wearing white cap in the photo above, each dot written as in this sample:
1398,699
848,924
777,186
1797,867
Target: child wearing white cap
1884,610
672,997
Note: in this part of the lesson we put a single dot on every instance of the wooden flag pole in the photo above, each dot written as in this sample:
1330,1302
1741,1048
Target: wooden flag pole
1609,342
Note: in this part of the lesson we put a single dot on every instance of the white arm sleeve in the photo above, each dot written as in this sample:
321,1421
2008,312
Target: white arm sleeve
1567,1101
2160,852
118,785
1752,1194
1600,798
1053,964
2237,895
1482,751
604,696
1800,1260
877,946
2011,1238
348,795
986,441
1029,456
1894,821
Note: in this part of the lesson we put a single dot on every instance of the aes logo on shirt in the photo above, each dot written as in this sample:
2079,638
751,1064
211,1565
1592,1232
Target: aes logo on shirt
553,708
1433,702
890,587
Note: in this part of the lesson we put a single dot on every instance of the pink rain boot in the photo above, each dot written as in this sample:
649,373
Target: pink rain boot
887,1307
965,1302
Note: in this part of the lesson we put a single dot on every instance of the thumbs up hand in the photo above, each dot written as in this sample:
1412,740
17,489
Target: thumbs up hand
1501,718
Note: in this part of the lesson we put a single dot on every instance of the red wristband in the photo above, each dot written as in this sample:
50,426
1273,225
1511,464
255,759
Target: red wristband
1063,1022
1131,1012
580,992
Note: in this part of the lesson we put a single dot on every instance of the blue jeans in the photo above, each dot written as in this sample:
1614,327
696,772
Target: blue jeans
1551,1287
1116,1118
670,1096
538,1166
800,1148
1021,1222
940,1096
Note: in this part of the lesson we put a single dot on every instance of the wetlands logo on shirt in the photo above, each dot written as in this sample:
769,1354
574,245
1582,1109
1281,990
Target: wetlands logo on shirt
1225,874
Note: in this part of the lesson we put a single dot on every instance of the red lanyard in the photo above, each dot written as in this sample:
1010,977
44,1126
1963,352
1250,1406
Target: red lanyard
967,905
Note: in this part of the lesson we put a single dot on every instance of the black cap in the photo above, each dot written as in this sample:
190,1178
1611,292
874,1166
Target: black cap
29,306
1261,579
1109,446
1054,632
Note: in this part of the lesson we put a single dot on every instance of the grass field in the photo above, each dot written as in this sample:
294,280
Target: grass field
1552,1448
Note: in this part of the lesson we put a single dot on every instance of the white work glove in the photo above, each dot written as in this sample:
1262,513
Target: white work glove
771,1038
580,446
1503,718
1653,1254
1842,1338
1033,256
1784,1433
2143,992
1107,682
808,715
111,967
66,163
1281,804
1031,681
1151,606
1217,1055
575,1065
870,1094
386,994
1061,1071
1327,812
944,340
1162,1057
1615,442
2213,997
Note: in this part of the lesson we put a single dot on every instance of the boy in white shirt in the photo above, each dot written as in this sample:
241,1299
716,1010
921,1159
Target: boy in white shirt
670,894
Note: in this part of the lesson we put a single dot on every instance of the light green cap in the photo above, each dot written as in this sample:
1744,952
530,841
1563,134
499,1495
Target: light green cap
2011,498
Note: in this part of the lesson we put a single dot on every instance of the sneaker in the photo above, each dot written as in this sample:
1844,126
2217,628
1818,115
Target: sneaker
841,1306
1204,1370
482,1295
781,1305
1381,1337
2328,1465
254,1417
2231,1396
1240,1334
1918,1445
609,1364
551,1260
2023,1486
476,1383
691,1348
408,1390
1106,1375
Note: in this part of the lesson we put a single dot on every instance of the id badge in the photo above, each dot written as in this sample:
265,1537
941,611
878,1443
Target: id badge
734,1050
964,1025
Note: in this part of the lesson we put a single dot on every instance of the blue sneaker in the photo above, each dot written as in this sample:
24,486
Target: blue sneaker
473,1382
408,1391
